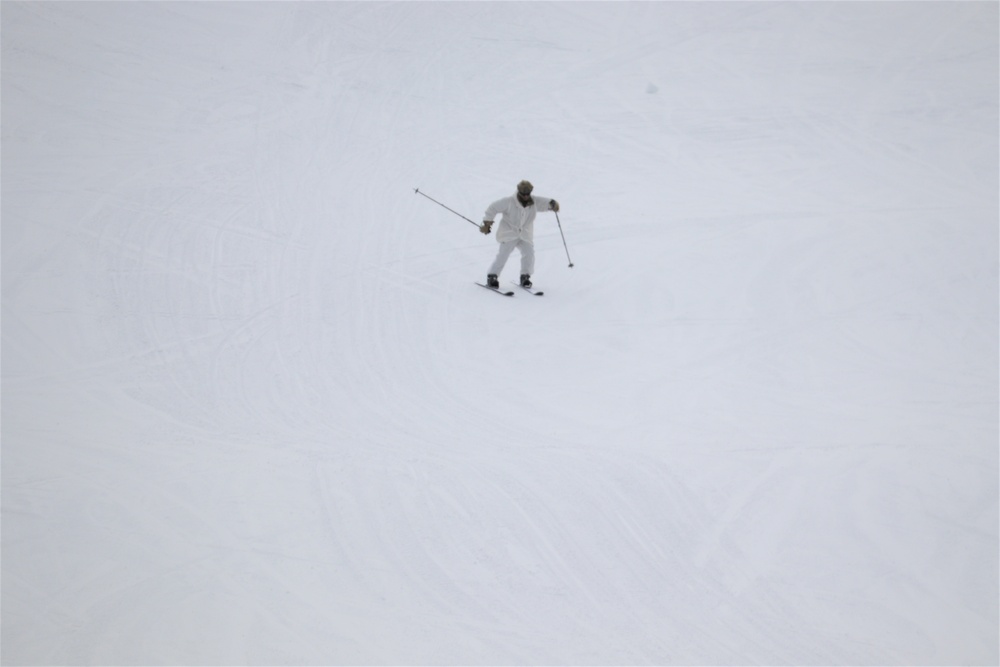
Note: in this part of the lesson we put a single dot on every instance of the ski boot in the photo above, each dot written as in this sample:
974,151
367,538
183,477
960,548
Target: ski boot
492,281
525,280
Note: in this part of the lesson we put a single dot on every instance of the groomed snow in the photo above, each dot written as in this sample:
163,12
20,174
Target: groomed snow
255,411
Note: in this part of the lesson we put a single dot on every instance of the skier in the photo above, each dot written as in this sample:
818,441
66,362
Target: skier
517,229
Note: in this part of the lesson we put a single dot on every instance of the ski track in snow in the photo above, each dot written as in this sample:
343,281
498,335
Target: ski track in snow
255,411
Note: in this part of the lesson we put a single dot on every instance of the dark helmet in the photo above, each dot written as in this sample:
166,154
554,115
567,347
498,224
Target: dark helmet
524,188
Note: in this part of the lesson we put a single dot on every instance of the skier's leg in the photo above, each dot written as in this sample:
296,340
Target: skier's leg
527,257
503,253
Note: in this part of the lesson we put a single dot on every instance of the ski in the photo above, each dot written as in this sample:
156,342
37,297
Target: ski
528,289
495,289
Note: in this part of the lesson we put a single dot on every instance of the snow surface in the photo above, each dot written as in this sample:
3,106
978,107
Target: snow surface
255,410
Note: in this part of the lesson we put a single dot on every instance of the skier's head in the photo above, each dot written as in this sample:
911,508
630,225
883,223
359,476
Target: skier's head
524,189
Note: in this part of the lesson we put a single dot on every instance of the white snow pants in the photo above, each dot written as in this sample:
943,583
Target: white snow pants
506,248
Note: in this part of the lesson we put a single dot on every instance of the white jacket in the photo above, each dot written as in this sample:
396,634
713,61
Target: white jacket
518,222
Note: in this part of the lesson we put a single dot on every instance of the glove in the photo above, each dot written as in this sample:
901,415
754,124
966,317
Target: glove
554,206
487,224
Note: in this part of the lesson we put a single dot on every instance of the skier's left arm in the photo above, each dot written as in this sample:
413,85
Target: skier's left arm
546,204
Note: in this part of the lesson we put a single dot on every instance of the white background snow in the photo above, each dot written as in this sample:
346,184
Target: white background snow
255,411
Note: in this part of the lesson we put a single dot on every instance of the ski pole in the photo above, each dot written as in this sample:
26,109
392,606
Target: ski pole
417,190
564,239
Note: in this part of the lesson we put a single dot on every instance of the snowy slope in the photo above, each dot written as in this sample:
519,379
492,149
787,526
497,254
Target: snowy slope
254,410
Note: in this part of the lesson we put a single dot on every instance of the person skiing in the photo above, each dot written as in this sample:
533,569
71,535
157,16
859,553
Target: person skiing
516,230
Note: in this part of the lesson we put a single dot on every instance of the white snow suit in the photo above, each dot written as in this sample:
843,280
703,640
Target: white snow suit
516,230
518,222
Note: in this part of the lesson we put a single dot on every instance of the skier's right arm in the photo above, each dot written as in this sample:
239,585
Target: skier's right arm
491,213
